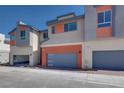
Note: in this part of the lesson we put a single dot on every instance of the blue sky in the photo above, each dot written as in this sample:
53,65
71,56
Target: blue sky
33,15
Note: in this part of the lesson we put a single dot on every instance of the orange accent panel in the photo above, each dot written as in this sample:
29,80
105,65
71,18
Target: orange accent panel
13,33
103,8
12,42
63,49
59,28
104,32
22,27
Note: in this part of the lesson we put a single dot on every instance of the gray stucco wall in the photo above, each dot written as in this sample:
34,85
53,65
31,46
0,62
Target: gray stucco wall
90,23
24,42
119,21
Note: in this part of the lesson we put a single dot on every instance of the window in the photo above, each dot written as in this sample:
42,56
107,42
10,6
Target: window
66,27
22,35
45,35
100,17
12,37
70,26
108,16
104,19
53,29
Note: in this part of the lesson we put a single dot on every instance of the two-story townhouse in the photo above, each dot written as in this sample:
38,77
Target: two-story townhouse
104,37
25,45
4,49
64,47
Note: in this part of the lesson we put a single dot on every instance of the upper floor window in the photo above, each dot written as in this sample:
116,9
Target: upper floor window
70,26
45,35
22,35
104,19
53,29
12,37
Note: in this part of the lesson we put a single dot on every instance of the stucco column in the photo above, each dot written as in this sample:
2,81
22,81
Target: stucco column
31,59
11,59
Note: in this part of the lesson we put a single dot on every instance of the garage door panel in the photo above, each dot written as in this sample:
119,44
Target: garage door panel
113,60
62,60
21,59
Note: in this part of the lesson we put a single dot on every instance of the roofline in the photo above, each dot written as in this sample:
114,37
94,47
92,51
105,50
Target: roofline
12,31
57,21
30,26
72,13
45,30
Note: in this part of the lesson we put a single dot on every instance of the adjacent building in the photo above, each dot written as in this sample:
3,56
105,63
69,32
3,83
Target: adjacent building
104,37
4,49
25,44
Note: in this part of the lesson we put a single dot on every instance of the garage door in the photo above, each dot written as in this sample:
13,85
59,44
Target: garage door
21,60
62,61
109,60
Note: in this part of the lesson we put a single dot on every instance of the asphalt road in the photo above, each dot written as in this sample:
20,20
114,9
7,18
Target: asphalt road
16,77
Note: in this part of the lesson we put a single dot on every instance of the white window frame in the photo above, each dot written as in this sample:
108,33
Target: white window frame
104,17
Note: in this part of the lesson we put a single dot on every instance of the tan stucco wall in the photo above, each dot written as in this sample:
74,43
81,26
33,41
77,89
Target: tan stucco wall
100,45
66,37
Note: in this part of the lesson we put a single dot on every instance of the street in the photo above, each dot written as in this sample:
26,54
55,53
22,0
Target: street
19,77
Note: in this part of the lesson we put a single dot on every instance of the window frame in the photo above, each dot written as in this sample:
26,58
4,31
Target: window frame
104,22
45,35
23,37
68,28
53,29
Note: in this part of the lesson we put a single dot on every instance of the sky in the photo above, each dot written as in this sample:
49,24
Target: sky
36,16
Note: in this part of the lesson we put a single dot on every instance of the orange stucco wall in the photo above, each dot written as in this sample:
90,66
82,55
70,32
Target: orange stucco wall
22,27
62,49
104,31
103,8
12,42
59,28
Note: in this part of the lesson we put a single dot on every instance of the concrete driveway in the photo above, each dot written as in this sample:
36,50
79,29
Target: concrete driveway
17,77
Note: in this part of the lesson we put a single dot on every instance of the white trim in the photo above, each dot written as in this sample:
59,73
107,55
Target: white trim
65,44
